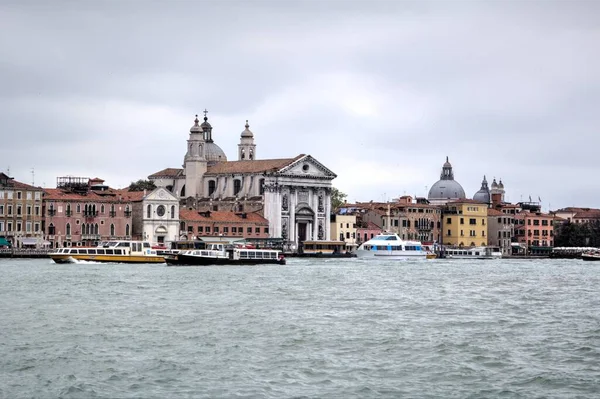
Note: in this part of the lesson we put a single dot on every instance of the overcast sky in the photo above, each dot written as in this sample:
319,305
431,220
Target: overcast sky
379,92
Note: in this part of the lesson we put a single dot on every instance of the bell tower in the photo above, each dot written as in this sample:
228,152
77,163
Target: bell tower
246,147
194,163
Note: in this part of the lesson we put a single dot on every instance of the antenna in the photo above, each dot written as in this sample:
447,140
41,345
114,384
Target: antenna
33,177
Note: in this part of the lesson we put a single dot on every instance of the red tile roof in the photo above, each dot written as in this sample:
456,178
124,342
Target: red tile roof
493,212
221,216
110,195
256,166
168,172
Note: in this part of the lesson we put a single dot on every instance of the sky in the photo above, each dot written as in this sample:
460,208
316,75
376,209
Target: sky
380,92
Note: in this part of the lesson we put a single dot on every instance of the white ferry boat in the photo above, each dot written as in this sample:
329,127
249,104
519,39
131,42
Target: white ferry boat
109,252
473,253
391,246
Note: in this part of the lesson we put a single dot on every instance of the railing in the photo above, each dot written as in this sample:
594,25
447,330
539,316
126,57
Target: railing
68,213
127,214
90,214
90,236
112,214
51,212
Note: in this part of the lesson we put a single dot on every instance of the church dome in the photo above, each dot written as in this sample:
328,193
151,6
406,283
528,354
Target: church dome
214,153
446,188
483,195
247,132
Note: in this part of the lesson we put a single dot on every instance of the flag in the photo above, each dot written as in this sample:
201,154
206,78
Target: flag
539,199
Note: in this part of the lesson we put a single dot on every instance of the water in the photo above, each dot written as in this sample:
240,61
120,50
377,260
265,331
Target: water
311,329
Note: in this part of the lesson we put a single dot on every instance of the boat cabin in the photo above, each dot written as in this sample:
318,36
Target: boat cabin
324,247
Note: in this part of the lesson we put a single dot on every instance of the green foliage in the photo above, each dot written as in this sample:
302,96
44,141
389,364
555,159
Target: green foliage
142,185
338,199
578,234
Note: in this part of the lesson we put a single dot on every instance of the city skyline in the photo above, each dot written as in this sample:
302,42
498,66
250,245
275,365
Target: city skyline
379,92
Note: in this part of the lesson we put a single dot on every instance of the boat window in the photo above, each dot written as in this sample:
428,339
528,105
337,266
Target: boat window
146,245
243,255
252,255
82,251
123,244
110,251
100,251
91,251
118,252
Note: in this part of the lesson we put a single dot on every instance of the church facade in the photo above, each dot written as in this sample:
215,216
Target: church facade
293,194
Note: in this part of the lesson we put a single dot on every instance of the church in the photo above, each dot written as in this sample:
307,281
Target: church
293,194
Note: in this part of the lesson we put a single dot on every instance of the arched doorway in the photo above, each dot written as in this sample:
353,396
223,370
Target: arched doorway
305,219
160,233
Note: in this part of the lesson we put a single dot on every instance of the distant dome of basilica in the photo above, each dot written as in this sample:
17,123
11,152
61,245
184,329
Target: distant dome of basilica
483,195
214,153
446,188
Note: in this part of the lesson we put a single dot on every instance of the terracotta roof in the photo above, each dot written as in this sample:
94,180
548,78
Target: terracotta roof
256,166
168,172
493,212
370,226
57,194
23,186
221,216
133,196
590,214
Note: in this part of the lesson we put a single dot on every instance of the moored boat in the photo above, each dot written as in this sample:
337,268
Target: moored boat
391,246
473,253
222,254
591,255
109,252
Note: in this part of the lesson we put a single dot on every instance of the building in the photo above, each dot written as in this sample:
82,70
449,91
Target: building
82,212
465,223
343,228
20,214
578,215
500,230
155,215
484,195
534,231
293,194
366,231
223,224
446,189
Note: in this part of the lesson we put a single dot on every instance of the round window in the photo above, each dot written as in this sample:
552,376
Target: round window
160,211
305,167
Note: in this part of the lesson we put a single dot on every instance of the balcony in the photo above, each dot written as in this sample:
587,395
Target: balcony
112,214
90,236
51,212
69,213
127,214
90,214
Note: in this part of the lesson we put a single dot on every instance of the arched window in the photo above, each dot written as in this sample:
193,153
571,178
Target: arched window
212,186
181,226
237,186
182,191
83,228
51,229
96,230
149,211
261,186
172,211
112,229
341,236
102,208
127,229
68,229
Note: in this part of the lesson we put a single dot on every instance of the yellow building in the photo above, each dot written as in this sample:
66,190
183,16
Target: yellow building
464,223
343,228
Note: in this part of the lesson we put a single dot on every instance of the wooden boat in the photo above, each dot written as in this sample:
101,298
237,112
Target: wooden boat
109,252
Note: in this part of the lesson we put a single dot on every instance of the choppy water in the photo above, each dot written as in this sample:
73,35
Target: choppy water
338,328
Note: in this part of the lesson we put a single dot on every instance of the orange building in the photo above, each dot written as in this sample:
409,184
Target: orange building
535,232
194,224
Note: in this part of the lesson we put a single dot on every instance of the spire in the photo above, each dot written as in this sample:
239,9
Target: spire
247,132
206,128
196,128
447,173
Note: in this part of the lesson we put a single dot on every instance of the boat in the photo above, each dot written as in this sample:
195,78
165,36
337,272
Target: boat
224,254
391,246
490,252
324,249
109,252
591,255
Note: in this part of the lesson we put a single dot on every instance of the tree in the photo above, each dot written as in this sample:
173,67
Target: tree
338,199
142,185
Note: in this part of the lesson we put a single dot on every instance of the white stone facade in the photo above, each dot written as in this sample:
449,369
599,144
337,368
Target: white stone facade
160,217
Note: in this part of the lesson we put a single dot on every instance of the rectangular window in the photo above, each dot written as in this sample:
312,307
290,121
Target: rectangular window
1,227
19,195
461,233
36,227
462,220
472,221
38,195
28,210
1,210
544,222
257,230
529,222
10,210
234,229
249,230
200,229
19,210
1,194
28,227
448,221
207,229
449,233
9,195
216,229
19,226
226,229
9,226
190,229
29,195
37,210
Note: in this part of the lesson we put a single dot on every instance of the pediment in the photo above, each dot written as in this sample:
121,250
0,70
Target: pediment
160,194
307,166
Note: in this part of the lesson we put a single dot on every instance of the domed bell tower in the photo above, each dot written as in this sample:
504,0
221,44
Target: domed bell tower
194,164
246,147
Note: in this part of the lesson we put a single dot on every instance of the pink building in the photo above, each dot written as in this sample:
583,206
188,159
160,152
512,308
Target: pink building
535,232
366,233
223,224
83,212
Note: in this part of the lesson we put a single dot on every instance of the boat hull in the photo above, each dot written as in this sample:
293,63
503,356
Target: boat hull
187,260
74,258
391,255
590,257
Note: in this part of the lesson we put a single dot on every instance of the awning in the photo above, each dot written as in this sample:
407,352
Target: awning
4,243
29,241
